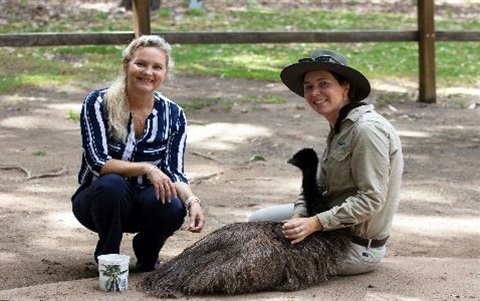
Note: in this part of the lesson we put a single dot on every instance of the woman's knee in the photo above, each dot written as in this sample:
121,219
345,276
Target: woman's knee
110,196
173,214
110,188
178,212
110,184
361,260
275,213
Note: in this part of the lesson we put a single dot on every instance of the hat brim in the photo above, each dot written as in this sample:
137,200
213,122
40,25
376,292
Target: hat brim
292,76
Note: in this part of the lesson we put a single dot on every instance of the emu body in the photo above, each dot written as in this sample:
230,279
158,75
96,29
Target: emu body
251,257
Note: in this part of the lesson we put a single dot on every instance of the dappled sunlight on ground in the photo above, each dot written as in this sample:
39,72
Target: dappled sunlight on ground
224,136
28,122
65,107
460,90
63,220
38,189
8,257
437,226
394,85
15,99
414,134
24,202
423,194
35,119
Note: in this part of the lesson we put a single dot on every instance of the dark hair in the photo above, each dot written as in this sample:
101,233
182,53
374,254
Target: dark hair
342,80
352,104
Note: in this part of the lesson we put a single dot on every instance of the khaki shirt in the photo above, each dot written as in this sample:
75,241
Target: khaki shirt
360,175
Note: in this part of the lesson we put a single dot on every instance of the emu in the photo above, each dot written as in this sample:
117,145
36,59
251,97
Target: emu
307,161
249,257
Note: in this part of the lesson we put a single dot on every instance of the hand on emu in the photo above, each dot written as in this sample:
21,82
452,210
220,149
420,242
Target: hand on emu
297,229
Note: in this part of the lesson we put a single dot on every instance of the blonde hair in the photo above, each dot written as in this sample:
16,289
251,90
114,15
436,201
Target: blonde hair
116,97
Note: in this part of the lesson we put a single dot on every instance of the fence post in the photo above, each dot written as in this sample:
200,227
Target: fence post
426,51
141,17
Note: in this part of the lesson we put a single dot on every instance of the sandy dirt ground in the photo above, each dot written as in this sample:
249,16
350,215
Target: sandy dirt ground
433,254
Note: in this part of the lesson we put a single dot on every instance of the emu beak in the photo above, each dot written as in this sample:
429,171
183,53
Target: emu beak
290,161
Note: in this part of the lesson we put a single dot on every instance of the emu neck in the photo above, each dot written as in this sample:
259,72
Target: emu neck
309,184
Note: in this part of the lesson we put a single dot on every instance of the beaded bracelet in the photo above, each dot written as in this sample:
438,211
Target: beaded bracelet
191,200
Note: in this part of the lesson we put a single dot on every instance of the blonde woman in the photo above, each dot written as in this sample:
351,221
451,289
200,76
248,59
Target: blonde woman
132,171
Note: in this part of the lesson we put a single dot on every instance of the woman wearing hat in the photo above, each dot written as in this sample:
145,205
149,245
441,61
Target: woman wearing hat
361,167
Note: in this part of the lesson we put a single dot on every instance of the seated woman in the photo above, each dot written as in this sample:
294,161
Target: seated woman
132,173
360,171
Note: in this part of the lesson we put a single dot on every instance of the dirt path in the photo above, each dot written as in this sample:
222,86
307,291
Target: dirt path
433,254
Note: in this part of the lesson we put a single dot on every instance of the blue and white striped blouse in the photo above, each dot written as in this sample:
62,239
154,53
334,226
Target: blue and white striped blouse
162,143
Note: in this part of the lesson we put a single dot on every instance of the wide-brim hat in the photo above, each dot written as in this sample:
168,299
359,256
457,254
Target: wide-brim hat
323,59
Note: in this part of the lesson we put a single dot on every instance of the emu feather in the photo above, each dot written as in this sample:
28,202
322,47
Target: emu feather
251,257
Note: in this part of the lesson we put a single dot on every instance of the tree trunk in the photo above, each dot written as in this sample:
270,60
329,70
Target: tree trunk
127,4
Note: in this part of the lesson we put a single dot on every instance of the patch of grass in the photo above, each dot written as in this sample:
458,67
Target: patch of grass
89,50
262,19
163,12
235,61
39,153
456,62
37,66
212,103
299,107
267,99
73,115
387,98
8,84
101,16
41,66
198,12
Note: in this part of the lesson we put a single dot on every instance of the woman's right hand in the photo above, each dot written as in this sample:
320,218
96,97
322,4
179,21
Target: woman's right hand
298,228
164,188
197,219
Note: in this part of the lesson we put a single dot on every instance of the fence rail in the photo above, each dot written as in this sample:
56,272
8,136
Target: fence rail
425,36
123,37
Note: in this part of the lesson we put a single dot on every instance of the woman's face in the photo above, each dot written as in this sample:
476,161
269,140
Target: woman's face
325,94
146,71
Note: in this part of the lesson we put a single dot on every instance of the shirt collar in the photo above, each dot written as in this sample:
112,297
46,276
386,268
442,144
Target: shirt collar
356,113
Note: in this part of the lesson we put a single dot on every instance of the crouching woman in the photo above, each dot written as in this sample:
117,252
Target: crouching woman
360,172
132,171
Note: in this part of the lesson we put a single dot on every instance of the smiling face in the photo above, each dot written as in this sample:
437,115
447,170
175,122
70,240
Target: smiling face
146,71
325,94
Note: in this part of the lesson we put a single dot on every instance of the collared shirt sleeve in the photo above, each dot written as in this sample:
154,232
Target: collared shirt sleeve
370,166
94,132
174,164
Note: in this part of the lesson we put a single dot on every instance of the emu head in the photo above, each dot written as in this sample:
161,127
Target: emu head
305,159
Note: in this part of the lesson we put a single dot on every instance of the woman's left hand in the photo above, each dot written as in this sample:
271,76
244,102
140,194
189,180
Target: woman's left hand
297,229
197,220
164,188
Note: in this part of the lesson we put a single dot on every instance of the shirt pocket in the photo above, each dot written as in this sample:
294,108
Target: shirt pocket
339,168
156,148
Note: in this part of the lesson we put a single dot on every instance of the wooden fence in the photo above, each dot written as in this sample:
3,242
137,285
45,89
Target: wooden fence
425,36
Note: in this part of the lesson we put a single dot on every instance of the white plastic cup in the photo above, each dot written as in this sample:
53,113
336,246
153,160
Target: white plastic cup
113,271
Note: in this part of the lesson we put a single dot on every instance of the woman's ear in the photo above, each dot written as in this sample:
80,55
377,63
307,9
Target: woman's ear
346,90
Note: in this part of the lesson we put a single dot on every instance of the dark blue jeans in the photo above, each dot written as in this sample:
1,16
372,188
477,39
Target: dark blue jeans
111,206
